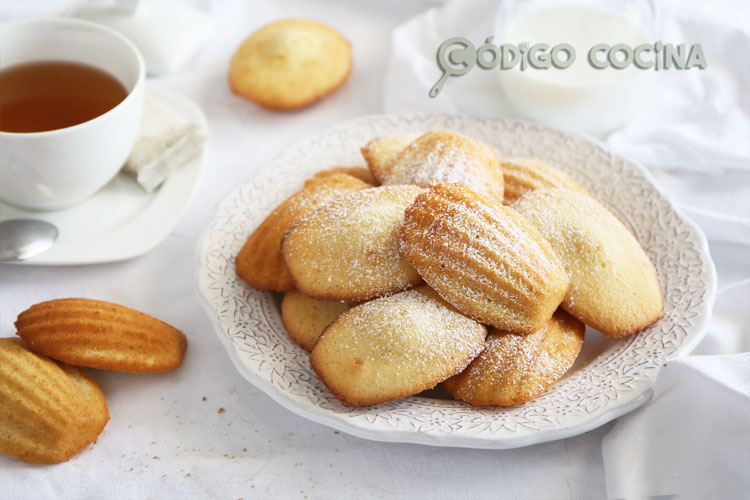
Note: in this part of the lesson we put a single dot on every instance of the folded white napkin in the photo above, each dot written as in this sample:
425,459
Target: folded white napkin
692,439
165,142
698,119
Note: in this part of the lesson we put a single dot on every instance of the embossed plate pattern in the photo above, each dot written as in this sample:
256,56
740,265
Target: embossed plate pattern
610,378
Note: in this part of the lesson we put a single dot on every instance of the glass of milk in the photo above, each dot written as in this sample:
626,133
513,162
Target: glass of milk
579,97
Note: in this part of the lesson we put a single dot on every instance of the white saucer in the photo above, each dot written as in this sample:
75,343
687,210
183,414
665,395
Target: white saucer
121,221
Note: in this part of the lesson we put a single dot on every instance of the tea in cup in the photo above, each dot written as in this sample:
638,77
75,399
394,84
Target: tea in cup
71,98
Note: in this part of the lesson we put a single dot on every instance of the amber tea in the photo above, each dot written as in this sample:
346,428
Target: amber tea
48,95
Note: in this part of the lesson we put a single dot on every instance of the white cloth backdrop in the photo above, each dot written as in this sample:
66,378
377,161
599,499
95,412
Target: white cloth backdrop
165,441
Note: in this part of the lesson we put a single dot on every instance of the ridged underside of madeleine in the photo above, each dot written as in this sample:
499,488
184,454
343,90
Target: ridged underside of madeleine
527,174
48,412
483,258
516,368
99,334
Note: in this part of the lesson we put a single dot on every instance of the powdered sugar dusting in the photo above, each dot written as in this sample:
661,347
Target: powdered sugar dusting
348,250
515,368
395,346
444,157
422,326
259,262
381,152
614,287
474,251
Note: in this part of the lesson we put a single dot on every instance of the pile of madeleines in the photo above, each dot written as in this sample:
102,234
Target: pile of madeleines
442,264
50,408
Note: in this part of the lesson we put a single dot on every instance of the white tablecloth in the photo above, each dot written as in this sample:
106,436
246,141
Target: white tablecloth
202,430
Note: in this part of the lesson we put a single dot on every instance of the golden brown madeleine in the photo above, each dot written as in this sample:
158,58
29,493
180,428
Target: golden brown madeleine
360,173
99,334
95,400
290,63
483,258
259,262
348,249
445,158
395,346
380,153
516,368
527,174
614,287
306,318
48,412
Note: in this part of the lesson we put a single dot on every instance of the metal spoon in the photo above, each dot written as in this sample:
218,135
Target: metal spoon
21,239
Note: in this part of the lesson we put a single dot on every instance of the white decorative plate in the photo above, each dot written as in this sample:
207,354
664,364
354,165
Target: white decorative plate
610,378
121,220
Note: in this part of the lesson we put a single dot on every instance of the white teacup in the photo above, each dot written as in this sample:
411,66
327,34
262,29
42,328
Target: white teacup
59,168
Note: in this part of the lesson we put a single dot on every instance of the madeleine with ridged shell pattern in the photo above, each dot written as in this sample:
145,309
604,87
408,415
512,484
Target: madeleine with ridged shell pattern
522,175
348,249
614,287
99,334
395,346
48,412
483,258
515,368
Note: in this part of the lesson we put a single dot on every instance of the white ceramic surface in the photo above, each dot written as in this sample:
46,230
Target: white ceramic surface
59,168
122,220
610,377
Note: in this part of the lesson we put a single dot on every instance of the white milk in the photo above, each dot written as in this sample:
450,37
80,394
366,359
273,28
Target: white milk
579,97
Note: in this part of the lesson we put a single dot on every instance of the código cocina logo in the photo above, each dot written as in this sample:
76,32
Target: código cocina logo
457,56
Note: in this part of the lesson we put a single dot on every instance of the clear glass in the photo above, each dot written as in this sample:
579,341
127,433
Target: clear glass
579,97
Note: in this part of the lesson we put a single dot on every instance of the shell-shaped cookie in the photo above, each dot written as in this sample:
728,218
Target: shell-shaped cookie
48,412
516,368
259,263
306,318
395,346
348,249
446,158
99,334
96,402
484,258
360,173
614,287
290,63
522,175
380,153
